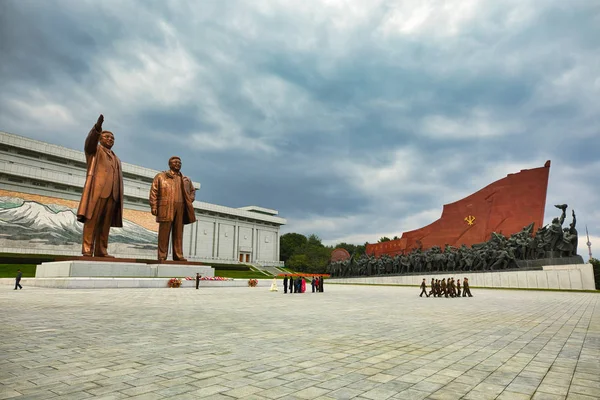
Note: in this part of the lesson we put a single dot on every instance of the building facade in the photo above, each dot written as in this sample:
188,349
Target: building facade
40,188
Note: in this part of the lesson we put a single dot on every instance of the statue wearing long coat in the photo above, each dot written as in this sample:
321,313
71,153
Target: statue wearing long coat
162,197
99,165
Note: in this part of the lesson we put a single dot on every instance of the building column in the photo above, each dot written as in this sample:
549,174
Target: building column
255,243
196,237
236,231
276,244
215,239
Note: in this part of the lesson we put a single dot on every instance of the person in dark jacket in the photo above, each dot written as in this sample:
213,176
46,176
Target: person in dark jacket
423,288
432,288
285,281
197,280
458,288
466,289
18,280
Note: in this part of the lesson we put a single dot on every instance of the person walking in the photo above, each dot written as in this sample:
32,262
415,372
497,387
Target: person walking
458,287
466,288
423,289
18,280
197,280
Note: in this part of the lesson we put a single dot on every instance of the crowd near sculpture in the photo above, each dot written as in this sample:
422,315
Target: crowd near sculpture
498,253
101,204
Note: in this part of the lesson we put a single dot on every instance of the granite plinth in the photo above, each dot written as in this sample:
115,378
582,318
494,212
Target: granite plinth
106,268
577,259
123,283
126,260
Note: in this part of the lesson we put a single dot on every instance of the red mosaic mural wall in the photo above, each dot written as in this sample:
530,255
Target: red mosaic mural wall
505,206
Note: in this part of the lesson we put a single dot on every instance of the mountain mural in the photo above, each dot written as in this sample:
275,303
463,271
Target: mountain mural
57,225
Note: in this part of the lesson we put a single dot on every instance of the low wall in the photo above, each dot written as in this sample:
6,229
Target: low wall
121,283
572,277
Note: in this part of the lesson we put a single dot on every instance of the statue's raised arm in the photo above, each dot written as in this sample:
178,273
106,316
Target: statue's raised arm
91,142
562,207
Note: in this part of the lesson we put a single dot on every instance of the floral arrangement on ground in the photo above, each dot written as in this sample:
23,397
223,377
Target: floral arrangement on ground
252,282
209,278
174,283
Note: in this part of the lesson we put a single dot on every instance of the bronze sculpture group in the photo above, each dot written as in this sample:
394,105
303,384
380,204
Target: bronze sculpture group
101,204
499,253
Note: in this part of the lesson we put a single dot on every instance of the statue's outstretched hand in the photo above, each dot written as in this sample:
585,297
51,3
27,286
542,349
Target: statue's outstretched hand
99,122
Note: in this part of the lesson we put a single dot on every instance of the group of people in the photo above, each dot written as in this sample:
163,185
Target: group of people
298,284
446,288
498,253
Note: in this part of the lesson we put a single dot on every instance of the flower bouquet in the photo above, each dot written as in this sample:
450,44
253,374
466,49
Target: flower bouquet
252,282
174,283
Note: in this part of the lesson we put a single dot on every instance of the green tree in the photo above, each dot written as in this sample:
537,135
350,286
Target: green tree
383,239
314,240
290,243
350,248
356,249
298,262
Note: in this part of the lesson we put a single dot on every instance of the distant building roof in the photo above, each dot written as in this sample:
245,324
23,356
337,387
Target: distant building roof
260,210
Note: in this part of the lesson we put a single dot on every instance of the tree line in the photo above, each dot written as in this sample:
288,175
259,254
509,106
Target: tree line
308,254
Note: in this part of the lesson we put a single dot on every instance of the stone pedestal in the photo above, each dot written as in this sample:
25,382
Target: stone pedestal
89,269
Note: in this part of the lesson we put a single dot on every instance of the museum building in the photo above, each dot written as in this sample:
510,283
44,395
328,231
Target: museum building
40,188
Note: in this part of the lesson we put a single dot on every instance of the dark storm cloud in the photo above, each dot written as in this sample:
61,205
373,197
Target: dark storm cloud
353,122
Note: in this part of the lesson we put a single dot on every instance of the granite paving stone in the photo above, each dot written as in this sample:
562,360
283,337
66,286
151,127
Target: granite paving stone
359,342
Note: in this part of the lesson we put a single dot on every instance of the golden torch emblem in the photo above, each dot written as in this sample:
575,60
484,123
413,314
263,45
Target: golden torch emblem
470,220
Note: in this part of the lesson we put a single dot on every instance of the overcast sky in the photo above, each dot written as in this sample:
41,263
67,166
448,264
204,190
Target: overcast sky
354,119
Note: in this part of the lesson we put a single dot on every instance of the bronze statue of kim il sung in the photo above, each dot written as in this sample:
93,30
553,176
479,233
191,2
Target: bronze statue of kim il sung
101,204
171,198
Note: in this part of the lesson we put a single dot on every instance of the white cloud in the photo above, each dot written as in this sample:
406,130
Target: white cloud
478,123
429,17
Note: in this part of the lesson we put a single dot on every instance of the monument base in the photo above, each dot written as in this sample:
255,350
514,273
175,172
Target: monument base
576,259
567,277
106,268
124,283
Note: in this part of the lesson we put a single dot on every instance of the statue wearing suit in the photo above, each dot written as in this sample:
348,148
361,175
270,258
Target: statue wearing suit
171,198
101,204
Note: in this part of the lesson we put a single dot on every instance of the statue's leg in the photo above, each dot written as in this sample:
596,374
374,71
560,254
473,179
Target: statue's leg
103,227
164,231
177,232
90,229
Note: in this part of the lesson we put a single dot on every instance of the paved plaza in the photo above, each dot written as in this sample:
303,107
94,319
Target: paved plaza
364,342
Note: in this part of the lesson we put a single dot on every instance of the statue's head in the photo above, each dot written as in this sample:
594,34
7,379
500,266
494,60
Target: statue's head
555,221
107,139
175,163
